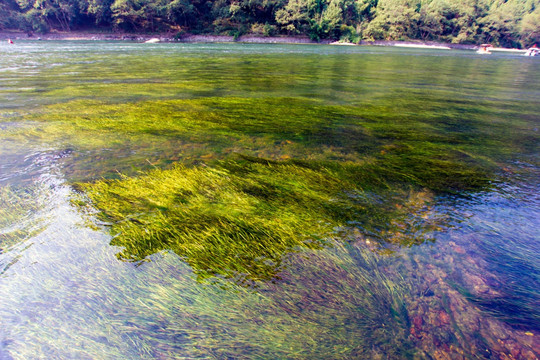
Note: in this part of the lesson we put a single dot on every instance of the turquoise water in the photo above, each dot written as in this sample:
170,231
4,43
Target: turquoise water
441,260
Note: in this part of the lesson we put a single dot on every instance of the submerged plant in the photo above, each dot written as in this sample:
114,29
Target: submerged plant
239,217
18,209
291,172
417,151
233,183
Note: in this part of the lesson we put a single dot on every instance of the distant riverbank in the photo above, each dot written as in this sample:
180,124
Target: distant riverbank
164,37
170,37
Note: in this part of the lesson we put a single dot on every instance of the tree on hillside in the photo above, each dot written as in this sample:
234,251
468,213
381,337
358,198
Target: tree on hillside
394,20
529,29
43,15
320,18
452,20
139,15
503,22
100,11
181,12
294,17
11,15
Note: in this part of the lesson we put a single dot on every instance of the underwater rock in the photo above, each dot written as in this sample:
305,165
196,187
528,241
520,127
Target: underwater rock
476,283
416,328
448,325
529,355
471,261
457,248
496,345
493,283
444,318
514,348
441,355
496,329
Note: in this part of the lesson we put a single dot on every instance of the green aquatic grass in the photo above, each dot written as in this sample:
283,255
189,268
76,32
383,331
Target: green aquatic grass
289,173
266,167
233,184
219,221
240,217
403,150
18,209
328,303
16,204
20,220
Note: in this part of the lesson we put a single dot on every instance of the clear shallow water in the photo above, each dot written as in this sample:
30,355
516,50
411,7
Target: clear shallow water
453,274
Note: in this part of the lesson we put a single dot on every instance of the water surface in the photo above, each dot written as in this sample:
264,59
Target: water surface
267,201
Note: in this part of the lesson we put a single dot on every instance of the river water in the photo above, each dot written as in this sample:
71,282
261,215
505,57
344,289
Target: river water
418,171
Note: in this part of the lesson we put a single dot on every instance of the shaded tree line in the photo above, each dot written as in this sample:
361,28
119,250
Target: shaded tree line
501,22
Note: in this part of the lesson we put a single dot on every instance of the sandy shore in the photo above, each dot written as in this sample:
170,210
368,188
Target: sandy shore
170,37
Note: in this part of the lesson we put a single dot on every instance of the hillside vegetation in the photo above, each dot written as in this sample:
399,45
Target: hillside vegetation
514,23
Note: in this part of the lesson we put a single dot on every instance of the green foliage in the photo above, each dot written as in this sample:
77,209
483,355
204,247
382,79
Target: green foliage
100,11
11,17
349,34
293,18
179,35
137,15
529,29
508,23
394,20
181,12
264,30
42,16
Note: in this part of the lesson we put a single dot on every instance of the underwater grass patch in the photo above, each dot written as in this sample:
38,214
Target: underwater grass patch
18,209
406,149
239,217
222,223
239,182
220,164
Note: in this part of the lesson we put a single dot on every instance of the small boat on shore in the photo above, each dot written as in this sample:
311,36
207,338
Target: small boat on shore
532,51
484,49
152,41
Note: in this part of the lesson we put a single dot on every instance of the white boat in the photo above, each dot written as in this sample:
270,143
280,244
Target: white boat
534,51
152,41
484,49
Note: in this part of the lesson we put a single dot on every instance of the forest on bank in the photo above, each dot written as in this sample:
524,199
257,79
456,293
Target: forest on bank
512,23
